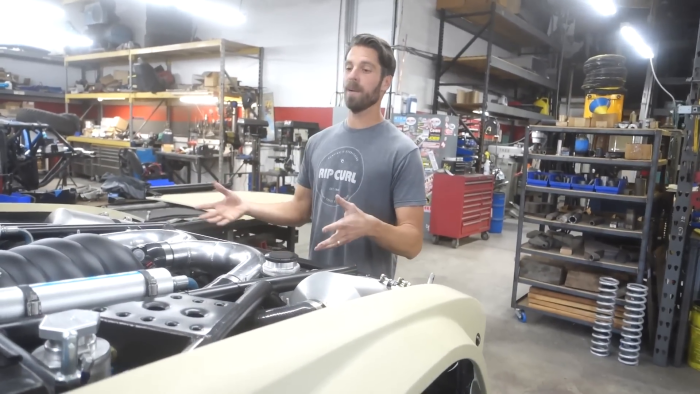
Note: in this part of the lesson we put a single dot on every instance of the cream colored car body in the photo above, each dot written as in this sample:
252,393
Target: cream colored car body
398,341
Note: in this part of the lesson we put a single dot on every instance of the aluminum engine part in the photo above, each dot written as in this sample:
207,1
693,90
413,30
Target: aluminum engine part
141,237
85,293
72,349
71,217
331,288
180,312
281,263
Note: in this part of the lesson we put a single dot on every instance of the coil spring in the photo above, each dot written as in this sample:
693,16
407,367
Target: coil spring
605,311
632,324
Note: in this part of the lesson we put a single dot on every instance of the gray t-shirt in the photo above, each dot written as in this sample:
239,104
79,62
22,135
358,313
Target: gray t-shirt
378,169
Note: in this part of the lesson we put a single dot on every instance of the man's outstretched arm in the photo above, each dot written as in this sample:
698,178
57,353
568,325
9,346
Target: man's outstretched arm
296,212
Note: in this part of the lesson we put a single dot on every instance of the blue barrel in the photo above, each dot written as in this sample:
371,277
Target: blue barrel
498,210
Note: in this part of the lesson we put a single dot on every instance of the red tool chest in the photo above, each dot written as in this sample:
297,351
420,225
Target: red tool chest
460,206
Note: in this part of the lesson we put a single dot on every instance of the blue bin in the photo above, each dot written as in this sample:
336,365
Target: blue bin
536,182
160,182
498,210
15,198
565,185
586,188
613,189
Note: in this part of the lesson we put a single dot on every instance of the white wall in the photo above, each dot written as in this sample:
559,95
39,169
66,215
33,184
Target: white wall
419,28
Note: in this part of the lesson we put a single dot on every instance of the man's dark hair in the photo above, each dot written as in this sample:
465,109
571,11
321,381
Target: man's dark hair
383,49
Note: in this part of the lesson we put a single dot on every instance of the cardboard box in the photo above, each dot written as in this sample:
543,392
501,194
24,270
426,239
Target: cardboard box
167,148
604,120
478,5
638,151
579,122
122,76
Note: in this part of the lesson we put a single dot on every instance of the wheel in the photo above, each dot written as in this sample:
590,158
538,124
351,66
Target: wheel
65,125
455,243
485,236
520,314
436,239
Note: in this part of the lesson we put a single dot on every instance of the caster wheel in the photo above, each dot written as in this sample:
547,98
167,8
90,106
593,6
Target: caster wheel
520,314
436,239
485,236
455,243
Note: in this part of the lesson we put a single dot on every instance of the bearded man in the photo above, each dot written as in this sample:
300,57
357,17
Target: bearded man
361,181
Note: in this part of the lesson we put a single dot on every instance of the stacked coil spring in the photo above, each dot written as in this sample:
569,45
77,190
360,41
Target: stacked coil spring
604,317
605,74
633,324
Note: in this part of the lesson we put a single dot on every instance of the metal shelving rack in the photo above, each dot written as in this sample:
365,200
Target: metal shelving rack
497,26
675,301
215,49
644,235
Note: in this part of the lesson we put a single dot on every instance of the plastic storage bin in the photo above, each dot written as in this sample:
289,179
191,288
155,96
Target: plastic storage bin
564,185
537,182
15,198
612,189
498,209
586,188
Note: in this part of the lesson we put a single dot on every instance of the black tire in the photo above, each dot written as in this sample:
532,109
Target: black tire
75,119
4,155
619,72
61,124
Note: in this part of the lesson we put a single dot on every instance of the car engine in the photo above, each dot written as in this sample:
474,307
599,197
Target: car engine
83,308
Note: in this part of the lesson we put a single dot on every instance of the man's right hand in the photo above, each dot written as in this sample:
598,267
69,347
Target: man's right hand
225,211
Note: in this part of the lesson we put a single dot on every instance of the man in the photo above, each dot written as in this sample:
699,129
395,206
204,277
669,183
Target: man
361,181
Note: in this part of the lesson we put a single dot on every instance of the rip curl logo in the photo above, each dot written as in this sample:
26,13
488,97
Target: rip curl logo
340,172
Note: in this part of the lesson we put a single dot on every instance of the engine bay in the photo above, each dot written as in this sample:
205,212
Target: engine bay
85,307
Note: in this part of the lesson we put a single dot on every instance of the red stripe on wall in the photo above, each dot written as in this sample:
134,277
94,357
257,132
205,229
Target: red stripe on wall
321,115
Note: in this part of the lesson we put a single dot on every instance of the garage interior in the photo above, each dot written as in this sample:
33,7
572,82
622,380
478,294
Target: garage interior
561,235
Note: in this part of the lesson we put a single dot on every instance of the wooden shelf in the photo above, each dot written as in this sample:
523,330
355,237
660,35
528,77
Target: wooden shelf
501,111
566,290
190,50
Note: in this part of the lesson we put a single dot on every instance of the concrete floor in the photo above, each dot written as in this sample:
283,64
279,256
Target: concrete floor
544,355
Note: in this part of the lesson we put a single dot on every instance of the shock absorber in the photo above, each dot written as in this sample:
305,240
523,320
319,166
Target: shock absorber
604,317
633,323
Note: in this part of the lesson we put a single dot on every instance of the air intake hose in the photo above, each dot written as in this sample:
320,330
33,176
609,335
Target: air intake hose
234,262
54,259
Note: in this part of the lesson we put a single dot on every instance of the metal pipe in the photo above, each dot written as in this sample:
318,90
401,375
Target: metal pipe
28,238
134,238
245,306
209,256
85,293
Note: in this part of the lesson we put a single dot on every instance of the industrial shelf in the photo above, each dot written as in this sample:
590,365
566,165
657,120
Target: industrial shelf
28,95
146,95
579,259
601,229
496,110
606,131
563,289
503,69
524,304
592,195
600,161
510,30
199,50
32,57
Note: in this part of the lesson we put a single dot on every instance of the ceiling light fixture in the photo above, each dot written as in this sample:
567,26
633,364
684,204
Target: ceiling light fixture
604,7
110,98
204,100
631,35
214,11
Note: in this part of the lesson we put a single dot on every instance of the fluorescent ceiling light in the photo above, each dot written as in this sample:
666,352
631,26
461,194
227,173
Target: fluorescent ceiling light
199,100
604,7
214,11
631,35
110,98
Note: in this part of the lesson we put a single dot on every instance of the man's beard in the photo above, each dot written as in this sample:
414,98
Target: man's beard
365,99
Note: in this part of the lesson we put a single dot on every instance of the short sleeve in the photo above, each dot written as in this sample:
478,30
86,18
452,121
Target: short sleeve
408,186
306,171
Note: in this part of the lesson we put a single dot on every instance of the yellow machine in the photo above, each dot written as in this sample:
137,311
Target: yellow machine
604,104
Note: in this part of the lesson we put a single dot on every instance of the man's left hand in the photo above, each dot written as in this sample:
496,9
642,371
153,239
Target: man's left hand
356,224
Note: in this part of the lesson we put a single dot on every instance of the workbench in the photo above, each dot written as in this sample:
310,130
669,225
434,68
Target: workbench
106,152
200,162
